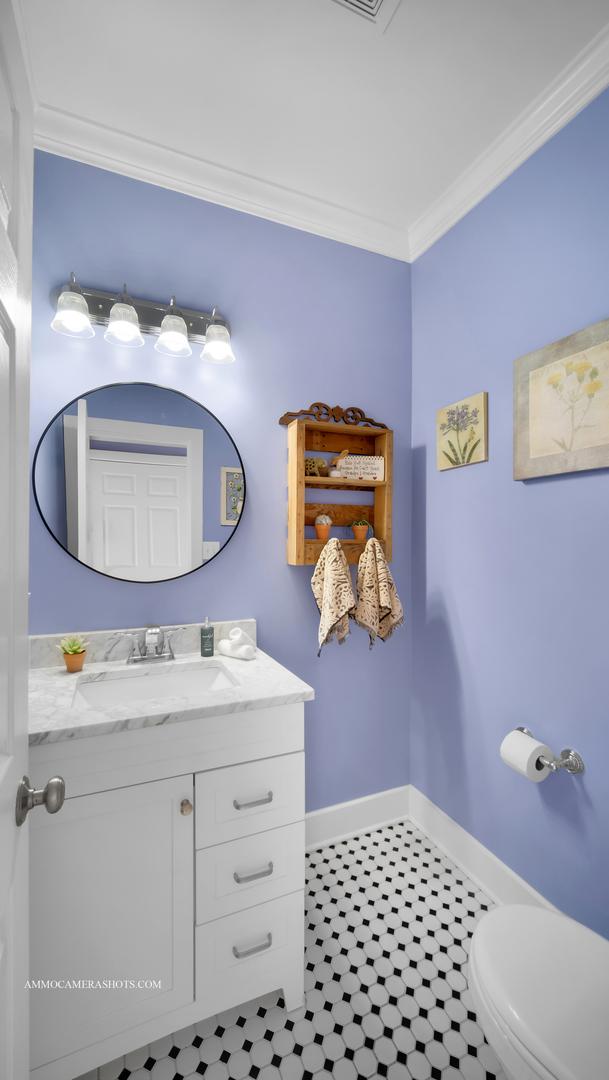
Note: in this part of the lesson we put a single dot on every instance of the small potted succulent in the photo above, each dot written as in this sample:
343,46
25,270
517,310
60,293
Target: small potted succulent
360,529
74,649
323,524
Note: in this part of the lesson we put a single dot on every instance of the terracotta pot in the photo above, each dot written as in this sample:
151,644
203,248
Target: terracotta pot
360,533
74,661
322,532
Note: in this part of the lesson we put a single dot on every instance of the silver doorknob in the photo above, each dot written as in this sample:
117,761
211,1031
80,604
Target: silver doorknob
52,795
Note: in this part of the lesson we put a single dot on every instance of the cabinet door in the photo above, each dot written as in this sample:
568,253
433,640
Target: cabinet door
111,901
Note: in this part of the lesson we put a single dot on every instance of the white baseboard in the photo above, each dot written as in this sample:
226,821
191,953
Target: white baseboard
342,820
496,879
345,819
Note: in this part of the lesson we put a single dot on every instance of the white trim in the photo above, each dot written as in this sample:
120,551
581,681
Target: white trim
493,876
71,136
345,819
576,86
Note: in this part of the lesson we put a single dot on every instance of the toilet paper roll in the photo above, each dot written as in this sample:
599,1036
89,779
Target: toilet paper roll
522,752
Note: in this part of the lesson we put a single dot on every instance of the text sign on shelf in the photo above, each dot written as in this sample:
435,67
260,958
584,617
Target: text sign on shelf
362,467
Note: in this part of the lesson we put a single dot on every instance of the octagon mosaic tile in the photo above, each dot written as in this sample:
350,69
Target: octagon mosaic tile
388,923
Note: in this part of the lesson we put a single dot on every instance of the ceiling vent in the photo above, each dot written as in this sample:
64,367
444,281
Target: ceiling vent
379,12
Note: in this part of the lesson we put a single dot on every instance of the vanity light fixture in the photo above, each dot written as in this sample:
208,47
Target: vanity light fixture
124,324
173,338
217,348
72,314
128,318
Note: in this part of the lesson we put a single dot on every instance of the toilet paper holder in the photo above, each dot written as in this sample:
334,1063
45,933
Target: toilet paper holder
568,758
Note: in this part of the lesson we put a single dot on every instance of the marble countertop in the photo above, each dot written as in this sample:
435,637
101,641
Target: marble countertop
58,712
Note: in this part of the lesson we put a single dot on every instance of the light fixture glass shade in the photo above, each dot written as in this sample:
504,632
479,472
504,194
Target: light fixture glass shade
173,339
217,348
124,326
72,315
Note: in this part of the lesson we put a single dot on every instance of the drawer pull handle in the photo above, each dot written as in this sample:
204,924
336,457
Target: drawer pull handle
240,954
244,879
255,802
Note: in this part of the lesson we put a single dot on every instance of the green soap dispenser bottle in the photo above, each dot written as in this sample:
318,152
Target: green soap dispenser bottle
207,639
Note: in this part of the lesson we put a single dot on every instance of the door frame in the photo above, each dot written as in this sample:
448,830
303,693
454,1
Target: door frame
15,301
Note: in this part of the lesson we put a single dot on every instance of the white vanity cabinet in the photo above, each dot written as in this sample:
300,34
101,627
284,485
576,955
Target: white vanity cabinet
177,859
111,899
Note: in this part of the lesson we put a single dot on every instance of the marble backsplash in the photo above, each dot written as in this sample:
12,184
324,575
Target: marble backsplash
106,645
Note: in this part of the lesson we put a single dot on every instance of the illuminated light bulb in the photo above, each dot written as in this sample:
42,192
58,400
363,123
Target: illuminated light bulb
124,326
217,348
173,339
72,315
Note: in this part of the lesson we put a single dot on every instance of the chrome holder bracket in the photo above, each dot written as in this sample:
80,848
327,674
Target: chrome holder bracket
568,758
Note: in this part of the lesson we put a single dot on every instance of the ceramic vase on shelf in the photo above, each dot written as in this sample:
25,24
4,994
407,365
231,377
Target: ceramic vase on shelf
360,532
323,524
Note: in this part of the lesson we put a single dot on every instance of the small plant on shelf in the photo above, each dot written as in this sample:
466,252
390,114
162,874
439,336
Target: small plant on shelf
74,649
323,524
360,529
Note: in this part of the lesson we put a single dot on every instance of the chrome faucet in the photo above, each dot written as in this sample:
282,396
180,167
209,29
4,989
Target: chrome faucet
153,647
152,638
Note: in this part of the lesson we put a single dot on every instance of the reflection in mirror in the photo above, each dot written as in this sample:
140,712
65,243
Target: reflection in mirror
139,482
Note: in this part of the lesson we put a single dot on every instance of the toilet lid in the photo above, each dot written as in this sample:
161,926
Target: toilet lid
547,978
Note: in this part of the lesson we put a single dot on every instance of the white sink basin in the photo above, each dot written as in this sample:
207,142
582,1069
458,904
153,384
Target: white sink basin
191,683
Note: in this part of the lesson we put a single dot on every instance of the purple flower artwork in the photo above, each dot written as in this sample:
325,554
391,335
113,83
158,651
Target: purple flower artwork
461,433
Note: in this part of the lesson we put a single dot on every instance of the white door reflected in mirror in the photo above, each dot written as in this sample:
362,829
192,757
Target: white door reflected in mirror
129,479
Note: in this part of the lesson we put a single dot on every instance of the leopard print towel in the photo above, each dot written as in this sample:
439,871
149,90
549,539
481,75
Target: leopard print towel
379,610
333,592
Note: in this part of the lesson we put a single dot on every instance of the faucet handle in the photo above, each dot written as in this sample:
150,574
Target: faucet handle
152,640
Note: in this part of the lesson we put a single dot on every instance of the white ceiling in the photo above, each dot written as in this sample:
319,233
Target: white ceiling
302,111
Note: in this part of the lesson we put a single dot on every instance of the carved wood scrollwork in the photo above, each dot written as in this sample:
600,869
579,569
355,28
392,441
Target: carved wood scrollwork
323,413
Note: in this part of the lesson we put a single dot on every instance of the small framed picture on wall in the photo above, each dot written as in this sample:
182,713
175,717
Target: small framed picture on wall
462,432
232,490
561,406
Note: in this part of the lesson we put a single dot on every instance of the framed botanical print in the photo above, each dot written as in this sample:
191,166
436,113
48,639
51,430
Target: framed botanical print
561,406
462,432
232,490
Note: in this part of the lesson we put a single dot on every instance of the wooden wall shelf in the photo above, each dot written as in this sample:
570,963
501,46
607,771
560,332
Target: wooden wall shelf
308,437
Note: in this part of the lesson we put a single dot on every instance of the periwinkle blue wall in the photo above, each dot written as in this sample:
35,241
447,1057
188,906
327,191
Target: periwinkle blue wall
305,314
512,579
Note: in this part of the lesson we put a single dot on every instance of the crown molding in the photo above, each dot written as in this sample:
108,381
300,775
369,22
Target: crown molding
577,85
68,135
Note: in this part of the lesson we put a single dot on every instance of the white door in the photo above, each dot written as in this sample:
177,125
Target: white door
15,296
139,518
100,914
134,496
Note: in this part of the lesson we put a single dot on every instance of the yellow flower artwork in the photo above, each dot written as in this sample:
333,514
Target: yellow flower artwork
561,406
569,403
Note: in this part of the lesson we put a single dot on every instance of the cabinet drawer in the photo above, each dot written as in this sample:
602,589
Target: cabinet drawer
246,799
237,875
243,956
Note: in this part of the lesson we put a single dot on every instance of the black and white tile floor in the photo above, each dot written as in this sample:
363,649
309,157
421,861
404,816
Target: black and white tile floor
389,918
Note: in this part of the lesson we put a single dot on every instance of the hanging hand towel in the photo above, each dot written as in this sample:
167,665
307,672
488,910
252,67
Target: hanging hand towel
333,591
378,609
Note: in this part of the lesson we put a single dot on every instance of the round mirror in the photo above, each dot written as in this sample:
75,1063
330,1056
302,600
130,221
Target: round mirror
139,482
